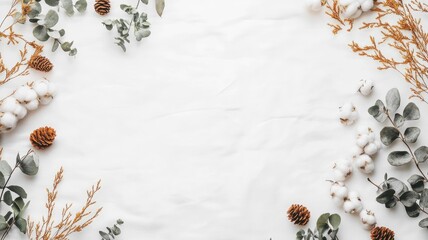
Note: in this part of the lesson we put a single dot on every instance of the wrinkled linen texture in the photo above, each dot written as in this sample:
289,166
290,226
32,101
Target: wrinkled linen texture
211,127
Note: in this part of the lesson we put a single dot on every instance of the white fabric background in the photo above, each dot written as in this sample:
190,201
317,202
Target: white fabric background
211,127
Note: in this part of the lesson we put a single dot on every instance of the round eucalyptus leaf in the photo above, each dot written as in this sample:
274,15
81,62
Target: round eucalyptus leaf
81,5
409,198
116,230
51,19
61,32
66,46
397,185
411,134
18,190
160,6
21,224
140,34
30,165
385,196
322,221
68,6
399,120
104,235
421,154
393,100
145,1
391,203
378,111
411,112
424,198
3,223
52,3
417,183
413,211
72,52
36,9
334,221
5,168
8,198
423,223
41,33
388,135
399,158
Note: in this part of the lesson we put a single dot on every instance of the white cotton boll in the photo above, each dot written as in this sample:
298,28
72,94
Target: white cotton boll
339,190
371,136
21,93
339,175
52,89
32,105
351,206
354,196
314,5
345,2
351,9
365,164
368,219
371,149
41,88
348,114
342,170
45,100
8,120
20,112
31,95
367,5
356,151
338,201
357,14
362,141
366,87
9,104
378,144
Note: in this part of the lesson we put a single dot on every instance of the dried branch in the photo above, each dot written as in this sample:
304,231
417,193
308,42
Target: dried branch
48,229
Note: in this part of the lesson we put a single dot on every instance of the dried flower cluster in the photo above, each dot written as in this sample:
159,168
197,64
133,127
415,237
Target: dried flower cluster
400,43
49,229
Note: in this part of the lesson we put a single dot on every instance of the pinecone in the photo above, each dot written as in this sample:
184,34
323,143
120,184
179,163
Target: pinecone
43,137
298,214
102,7
382,233
40,63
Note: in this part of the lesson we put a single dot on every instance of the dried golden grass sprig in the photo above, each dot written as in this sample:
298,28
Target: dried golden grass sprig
11,38
49,229
402,42
334,11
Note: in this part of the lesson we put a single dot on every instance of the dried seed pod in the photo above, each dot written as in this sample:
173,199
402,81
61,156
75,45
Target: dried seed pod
102,7
40,63
298,214
43,137
382,233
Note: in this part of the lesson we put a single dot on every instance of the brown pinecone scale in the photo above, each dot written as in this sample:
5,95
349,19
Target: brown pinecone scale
298,214
382,233
102,7
40,63
43,137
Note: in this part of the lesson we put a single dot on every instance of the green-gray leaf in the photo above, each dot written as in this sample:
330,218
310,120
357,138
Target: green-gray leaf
5,168
423,223
417,183
18,190
51,18
388,135
36,9
421,154
41,33
424,199
160,6
334,221
398,120
399,158
409,198
52,3
322,221
3,223
30,165
397,185
411,134
104,235
73,52
411,112
378,111
393,100
66,46
145,1
81,5
68,6
385,196
55,45
8,198
140,34
413,211
54,34
21,224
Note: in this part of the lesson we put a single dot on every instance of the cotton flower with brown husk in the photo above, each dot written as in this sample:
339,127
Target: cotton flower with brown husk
298,214
381,233
49,229
43,137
